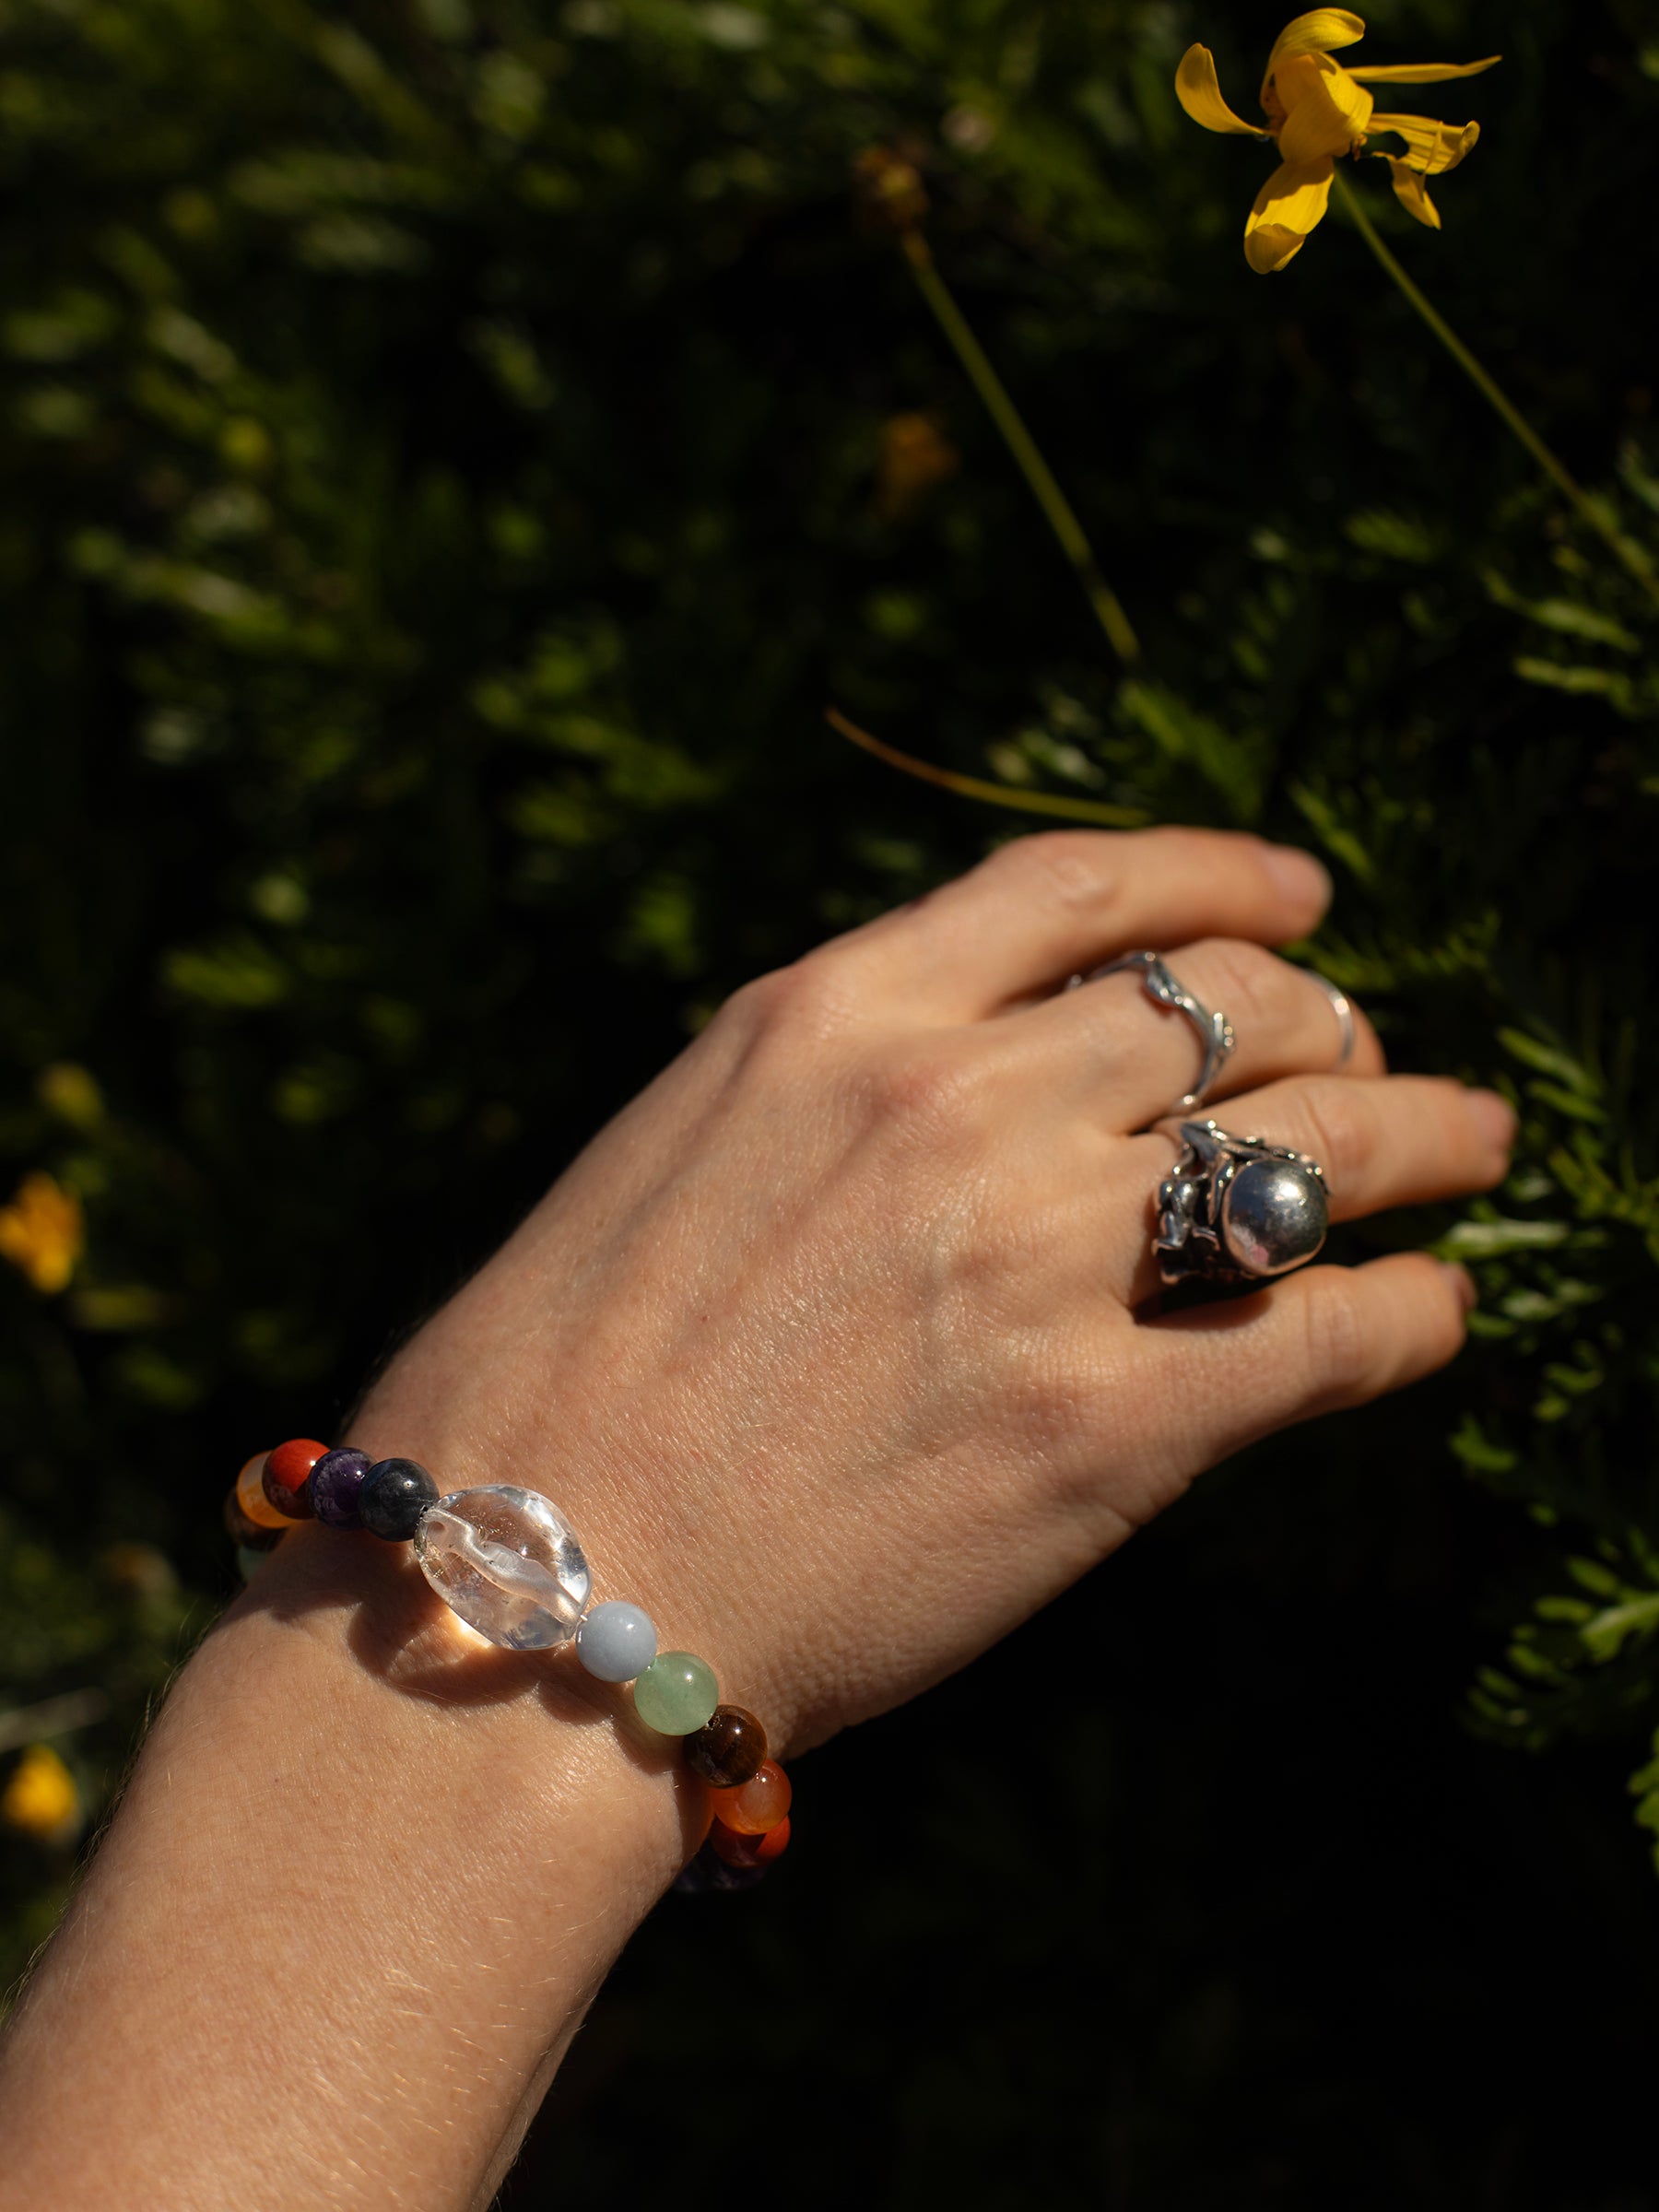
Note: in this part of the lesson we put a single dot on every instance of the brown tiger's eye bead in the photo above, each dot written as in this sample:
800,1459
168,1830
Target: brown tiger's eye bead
728,1749
248,1535
757,1805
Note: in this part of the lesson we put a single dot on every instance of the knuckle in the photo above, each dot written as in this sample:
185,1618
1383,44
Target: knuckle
1246,982
806,1000
1054,1410
926,1092
1340,1131
1067,867
1338,1341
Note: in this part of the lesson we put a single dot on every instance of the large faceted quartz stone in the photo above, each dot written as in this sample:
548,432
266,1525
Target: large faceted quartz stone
508,1562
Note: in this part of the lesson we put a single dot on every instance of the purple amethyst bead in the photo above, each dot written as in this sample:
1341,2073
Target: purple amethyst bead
334,1482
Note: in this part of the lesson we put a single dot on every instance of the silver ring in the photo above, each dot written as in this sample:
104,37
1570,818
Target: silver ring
1234,1209
1344,1006
1214,1031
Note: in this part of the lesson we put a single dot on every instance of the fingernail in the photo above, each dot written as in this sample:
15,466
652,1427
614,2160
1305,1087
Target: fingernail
1463,1282
1299,875
1493,1117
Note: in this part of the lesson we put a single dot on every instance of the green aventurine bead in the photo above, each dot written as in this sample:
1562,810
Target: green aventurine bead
676,1693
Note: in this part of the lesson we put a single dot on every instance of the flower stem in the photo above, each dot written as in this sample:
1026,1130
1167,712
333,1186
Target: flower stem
1629,555
995,794
1020,443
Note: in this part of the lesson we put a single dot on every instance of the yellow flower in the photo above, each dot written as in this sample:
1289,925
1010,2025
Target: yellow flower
41,1799
915,456
41,1232
1316,110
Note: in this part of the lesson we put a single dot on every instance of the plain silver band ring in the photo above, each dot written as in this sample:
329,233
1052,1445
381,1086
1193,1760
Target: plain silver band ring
1214,1031
1344,1007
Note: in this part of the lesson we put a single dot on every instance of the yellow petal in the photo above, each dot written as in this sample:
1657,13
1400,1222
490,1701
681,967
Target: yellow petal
1288,205
41,1799
1315,33
1424,73
1325,110
41,1232
1199,92
1410,191
1434,147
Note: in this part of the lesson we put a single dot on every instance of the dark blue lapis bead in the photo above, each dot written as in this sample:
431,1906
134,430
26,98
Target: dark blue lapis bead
336,1482
395,1495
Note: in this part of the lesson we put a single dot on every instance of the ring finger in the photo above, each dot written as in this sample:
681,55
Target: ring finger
1405,1140
1133,1058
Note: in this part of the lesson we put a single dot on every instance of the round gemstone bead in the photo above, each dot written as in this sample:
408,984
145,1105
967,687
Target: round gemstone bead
508,1562
676,1693
616,1642
335,1483
708,1871
248,1535
285,1475
395,1495
250,1497
728,1749
758,1804
739,1850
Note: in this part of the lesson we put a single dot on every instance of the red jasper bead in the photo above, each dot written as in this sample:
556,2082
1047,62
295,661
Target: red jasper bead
757,1805
288,1476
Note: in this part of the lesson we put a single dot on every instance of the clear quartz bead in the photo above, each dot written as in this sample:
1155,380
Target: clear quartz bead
508,1562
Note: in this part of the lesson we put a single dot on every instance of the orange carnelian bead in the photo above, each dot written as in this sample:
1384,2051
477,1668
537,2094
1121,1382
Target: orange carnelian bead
756,1805
250,1497
774,1843
748,1851
735,1850
287,1471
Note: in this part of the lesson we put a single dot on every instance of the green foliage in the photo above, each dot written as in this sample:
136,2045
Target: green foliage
439,491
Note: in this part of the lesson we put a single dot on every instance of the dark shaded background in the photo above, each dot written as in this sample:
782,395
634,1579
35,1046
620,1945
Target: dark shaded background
440,486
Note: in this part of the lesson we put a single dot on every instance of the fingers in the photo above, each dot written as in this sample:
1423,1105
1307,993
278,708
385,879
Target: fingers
1133,1058
1405,1140
1046,907
1328,1337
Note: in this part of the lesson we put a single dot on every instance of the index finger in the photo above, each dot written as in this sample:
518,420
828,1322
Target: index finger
1043,908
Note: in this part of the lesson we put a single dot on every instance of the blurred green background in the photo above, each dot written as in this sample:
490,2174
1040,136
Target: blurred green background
450,452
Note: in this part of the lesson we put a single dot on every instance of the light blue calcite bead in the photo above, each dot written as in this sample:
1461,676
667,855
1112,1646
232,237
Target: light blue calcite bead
616,1642
508,1562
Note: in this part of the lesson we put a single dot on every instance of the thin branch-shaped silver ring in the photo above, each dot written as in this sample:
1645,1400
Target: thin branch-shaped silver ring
1344,1007
1214,1031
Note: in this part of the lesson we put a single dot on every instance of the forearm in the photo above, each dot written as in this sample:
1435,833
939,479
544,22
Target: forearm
365,1880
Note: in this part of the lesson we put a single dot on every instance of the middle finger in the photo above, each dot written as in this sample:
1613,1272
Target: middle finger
1108,1042
1404,1141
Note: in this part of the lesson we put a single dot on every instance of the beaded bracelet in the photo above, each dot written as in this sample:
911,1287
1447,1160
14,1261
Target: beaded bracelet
508,1562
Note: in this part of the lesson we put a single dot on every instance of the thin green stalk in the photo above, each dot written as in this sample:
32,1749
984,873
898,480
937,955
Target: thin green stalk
1020,443
995,794
1628,556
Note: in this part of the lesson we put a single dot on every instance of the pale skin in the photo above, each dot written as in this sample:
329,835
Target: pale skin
841,1348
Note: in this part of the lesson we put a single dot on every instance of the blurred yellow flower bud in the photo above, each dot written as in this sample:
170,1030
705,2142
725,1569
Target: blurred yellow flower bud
916,456
41,1799
41,1232
889,189
68,1090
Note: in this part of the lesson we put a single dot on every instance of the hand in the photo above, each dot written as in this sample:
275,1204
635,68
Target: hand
841,1346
